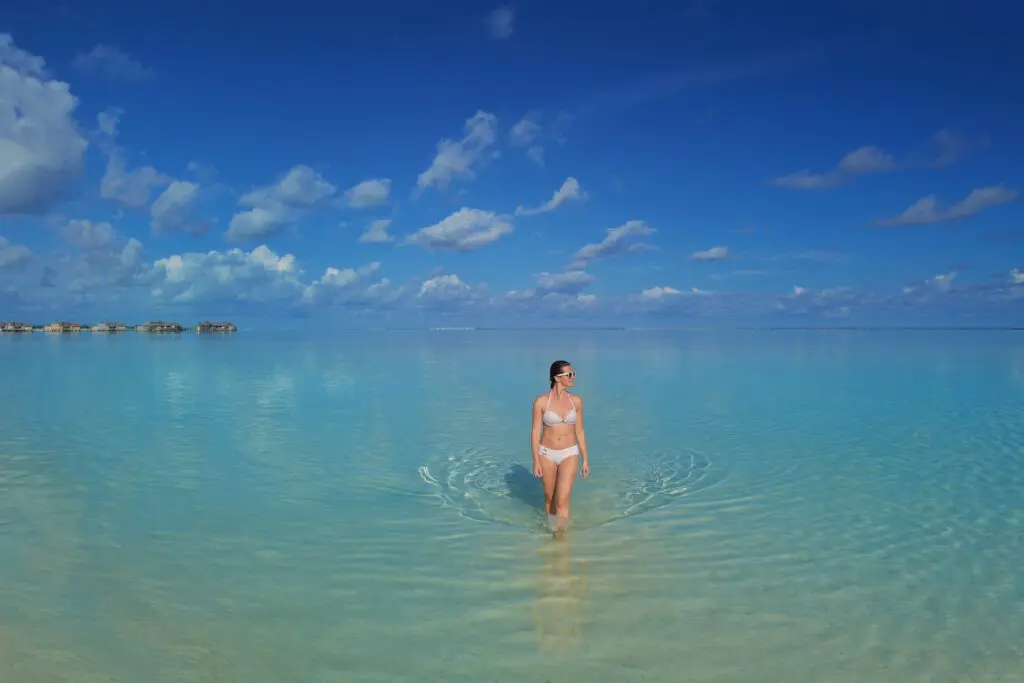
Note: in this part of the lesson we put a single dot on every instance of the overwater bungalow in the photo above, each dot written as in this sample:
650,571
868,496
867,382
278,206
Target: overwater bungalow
16,327
207,326
109,327
160,327
63,327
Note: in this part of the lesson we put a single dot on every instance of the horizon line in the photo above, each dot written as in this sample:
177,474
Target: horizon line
737,328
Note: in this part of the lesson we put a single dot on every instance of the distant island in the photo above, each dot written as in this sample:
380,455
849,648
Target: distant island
152,327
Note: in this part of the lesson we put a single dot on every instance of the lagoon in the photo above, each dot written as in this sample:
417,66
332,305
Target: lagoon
357,506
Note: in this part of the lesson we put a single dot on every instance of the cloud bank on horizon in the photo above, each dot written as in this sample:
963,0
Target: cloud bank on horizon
461,167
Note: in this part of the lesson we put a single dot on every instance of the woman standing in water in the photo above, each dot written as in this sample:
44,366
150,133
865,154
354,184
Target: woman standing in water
558,443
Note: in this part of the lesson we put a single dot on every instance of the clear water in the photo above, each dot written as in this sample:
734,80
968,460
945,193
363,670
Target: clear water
784,506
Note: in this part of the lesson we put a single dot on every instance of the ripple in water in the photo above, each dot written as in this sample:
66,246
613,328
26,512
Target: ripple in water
491,488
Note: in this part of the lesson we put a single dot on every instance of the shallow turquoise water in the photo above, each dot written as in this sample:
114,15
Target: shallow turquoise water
784,506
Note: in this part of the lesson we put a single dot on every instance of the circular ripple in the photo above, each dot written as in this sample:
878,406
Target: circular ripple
489,487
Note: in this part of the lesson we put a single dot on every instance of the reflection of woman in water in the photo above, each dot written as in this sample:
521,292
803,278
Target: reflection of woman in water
558,443
558,612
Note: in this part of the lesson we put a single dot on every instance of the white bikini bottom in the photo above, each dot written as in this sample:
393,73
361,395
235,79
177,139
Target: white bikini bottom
557,456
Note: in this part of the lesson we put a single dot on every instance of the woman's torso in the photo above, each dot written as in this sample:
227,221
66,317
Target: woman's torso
559,422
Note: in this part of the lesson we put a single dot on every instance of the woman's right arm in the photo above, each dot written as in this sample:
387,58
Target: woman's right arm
535,434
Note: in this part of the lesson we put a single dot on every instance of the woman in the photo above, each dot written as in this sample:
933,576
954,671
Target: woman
558,443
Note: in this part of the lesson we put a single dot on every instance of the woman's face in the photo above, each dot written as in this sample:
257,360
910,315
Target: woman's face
566,376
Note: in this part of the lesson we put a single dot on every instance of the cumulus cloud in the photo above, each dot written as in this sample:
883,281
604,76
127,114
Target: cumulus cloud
950,147
258,275
943,282
659,292
444,287
346,287
569,282
465,230
172,209
569,191
713,254
259,278
501,22
563,292
108,120
828,302
113,63
371,192
462,158
526,134
88,235
861,161
41,149
103,267
134,188
377,233
131,188
13,254
616,241
928,210
275,206
448,292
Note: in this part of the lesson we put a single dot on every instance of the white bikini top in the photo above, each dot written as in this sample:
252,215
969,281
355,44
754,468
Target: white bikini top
552,418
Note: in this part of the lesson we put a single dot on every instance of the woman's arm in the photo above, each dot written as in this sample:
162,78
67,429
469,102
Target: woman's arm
581,434
535,434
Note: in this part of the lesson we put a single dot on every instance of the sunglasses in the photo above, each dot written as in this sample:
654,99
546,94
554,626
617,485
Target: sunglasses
570,375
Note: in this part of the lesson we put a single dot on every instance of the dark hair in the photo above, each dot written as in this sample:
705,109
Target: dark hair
556,368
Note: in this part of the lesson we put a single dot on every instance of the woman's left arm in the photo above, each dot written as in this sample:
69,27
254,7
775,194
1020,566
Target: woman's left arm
581,435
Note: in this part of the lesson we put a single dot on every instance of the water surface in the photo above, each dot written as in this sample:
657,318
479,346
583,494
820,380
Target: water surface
784,506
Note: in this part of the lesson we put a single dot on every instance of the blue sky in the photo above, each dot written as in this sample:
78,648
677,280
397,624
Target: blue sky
468,163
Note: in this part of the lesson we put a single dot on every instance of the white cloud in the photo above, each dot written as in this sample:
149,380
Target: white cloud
616,241
554,291
942,282
113,63
41,150
501,22
104,267
461,158
371,192
108,120
660,292
861,161
713,254
828,302
449,293
525,134
465,230
1017,276
281,204
377,233
131,188
525,131
170,212
344,287
569,282
259,276
444,287
569,191
88,235
13,254
927,209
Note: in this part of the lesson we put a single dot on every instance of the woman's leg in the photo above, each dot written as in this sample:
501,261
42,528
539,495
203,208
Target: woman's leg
549,475
563,485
